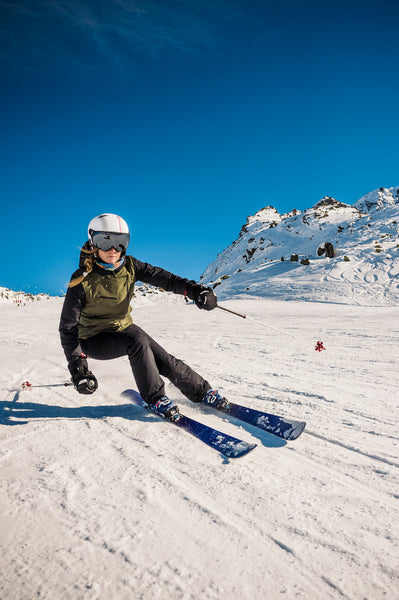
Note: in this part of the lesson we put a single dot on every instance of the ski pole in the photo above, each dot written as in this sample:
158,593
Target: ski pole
318,347
27,386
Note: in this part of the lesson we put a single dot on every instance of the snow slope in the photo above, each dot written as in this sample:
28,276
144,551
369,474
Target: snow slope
365,269
102,501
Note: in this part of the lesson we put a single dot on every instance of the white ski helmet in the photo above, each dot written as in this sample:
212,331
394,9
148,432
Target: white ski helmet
109,231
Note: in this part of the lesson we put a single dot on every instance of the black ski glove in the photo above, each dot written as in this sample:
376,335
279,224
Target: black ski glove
83,379
206,299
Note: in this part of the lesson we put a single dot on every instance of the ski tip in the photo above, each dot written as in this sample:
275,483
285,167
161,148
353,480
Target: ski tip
132,395
238,451
296,431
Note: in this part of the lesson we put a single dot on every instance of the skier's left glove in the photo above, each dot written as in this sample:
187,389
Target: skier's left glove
83,379
206,299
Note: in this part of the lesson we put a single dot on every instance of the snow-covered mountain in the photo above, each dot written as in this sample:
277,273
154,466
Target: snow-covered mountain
282,255
20,298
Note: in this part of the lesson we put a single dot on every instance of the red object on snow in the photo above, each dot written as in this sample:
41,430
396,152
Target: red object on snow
26,384
319,347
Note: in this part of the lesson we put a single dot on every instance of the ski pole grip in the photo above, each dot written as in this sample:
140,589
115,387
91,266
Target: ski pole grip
233,312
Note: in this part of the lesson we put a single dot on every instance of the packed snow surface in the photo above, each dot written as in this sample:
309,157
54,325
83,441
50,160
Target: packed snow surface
101,500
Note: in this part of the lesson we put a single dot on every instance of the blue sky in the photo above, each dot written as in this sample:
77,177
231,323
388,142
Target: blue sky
184,117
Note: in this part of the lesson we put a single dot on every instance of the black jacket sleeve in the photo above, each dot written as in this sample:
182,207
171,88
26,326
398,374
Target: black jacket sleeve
70,315
168,281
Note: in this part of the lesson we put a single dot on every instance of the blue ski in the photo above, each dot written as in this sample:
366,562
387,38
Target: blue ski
227,445
284,428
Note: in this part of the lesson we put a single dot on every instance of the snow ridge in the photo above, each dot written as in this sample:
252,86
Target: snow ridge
286,256
18,297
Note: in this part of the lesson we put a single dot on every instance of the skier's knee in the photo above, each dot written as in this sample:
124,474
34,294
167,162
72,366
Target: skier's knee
137,342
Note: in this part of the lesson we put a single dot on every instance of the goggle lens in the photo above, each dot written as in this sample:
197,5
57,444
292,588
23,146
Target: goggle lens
104,240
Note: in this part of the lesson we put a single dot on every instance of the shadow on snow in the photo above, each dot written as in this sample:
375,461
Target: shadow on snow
21,413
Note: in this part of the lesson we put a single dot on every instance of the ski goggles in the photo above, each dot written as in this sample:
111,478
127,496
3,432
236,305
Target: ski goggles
104,240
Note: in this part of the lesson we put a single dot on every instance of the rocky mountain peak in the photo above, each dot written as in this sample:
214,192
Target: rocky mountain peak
377,199
277,255
329,202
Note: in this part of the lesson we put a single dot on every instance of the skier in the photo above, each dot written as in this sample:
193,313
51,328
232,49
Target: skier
96,321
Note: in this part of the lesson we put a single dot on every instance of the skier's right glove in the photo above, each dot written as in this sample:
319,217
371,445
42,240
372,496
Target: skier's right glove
83,379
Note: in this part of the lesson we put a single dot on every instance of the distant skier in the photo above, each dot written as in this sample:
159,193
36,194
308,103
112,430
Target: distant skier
96,320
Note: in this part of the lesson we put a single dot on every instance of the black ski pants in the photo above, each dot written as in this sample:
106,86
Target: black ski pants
148,361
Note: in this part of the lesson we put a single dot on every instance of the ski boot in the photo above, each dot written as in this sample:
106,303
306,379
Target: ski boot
165,408
213,398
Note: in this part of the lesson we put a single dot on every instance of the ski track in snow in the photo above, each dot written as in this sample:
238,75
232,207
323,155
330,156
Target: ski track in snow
101,500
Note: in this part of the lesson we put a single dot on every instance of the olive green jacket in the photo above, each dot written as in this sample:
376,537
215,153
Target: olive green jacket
108,296
101,302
